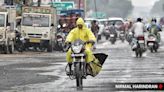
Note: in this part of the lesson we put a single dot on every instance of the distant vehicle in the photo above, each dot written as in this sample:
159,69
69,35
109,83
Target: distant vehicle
78,12
119,22
7,27
38,27
161,22
70,16
88,22
140,46
101,23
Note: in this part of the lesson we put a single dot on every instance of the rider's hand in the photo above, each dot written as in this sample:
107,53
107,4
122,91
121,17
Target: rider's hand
90,41
67,45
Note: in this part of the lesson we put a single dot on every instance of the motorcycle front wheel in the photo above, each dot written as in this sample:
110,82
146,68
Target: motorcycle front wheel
79,79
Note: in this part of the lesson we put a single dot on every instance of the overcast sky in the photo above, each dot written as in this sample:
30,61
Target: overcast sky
143,2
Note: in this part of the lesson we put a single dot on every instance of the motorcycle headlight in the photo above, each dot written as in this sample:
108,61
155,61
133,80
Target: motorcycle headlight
77,49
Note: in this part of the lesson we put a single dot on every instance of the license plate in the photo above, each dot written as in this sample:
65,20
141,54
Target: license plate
150,44
77,55
151,40
121,34
130,33
59,39
112,35
35,40
140,41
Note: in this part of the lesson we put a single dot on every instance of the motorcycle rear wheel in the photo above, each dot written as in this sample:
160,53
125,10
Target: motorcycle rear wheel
140,54
151,50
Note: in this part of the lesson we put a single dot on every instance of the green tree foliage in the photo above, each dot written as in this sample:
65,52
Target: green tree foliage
158,7
117,8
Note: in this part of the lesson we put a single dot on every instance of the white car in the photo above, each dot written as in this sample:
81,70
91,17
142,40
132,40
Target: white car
88,22
119,22
101,23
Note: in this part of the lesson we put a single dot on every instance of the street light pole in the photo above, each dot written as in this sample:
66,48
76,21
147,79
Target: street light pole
39,2
85,8
79,4
95,7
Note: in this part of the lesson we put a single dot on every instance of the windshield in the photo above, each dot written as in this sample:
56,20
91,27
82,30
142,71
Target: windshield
117,22
102,22
2,20
35,20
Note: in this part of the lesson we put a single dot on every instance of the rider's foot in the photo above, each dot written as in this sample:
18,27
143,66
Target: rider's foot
69,73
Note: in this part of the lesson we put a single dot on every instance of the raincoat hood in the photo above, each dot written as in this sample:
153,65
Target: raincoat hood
80,21
83,34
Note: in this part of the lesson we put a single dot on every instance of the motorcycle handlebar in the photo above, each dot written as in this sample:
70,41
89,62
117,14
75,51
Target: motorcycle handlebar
88,42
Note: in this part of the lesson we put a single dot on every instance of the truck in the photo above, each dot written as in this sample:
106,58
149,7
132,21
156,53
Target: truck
7,32
38,27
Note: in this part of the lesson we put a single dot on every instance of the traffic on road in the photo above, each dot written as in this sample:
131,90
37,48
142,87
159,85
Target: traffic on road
69,46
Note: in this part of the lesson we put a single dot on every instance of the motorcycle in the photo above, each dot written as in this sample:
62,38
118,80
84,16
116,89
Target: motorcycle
19,42
152,43
60,39
113,38
130,37
140,46
122,36
106,33
80,67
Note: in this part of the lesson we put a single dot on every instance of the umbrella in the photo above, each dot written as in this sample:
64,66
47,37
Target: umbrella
101,57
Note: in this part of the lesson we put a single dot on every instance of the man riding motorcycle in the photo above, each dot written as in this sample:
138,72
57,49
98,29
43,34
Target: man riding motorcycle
154,29
113,30
83,33
138,29
95,27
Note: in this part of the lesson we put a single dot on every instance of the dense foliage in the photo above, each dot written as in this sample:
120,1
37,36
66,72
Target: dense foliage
117,8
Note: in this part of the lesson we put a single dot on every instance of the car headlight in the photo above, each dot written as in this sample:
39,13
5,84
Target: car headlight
1,36
77,49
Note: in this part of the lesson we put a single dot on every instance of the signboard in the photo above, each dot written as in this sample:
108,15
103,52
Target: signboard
79,12
63,5
42,2
45,2
44,10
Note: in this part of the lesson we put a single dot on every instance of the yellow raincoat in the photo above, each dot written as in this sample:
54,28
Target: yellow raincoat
85,35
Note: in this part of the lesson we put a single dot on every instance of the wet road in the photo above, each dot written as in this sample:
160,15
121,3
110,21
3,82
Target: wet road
45,72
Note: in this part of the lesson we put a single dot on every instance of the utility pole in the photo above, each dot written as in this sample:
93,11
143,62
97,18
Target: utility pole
39,2
95,7
85,7
79,4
